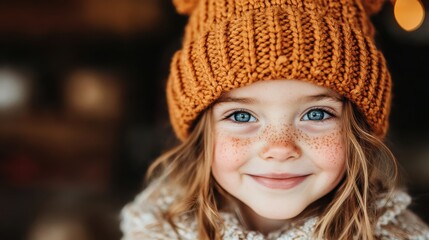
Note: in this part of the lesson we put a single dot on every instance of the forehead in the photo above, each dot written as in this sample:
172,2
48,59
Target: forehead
273,90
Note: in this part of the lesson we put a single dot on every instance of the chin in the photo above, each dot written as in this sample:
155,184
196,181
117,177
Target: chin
277,213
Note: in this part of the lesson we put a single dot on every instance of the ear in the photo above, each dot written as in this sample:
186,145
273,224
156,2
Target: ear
185,7
373,6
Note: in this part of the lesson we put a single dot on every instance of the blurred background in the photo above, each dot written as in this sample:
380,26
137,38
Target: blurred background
83,112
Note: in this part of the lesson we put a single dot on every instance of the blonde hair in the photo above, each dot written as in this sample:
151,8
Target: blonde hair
187,168
348,211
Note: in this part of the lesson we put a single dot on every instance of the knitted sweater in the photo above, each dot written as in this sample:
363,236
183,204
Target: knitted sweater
140,220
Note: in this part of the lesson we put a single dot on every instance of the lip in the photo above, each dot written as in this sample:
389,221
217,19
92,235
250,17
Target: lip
279,180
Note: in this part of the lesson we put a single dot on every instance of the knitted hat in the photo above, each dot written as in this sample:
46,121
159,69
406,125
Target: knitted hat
232,43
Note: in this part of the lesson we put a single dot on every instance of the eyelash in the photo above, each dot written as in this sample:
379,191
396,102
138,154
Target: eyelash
327,111
229,116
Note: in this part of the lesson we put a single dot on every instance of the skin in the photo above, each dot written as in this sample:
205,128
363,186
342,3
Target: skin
278,148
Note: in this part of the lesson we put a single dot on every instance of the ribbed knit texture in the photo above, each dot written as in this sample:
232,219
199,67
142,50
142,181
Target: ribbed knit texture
232,43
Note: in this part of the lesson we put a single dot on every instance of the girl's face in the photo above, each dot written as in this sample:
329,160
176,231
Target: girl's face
278,147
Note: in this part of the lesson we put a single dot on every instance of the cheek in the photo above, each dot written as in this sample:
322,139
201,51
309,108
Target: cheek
229,153
330,152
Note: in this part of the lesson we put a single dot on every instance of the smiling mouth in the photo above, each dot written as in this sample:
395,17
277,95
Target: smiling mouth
279,181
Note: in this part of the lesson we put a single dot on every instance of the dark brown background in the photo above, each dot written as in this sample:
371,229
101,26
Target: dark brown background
93,117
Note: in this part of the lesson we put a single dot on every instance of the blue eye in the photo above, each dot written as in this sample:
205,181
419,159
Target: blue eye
242,116
316,115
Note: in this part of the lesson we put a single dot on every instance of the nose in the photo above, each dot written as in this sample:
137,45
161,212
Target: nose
280,151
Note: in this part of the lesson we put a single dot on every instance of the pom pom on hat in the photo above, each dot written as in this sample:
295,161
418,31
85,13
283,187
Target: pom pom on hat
373,6
185,6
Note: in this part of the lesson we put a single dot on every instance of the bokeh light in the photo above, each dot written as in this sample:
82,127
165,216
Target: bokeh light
14,90
409,14
93,93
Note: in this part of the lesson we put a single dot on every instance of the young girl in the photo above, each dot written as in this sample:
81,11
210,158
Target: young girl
282,107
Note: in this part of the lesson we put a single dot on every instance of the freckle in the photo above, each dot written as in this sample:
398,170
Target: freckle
235,141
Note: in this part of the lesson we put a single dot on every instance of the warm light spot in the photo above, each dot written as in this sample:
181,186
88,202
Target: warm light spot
409,14
87,90
93,94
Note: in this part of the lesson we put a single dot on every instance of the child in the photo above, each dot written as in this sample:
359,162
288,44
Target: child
281,107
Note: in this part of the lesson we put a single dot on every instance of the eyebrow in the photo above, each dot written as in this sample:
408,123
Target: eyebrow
324,96
237,100
318,97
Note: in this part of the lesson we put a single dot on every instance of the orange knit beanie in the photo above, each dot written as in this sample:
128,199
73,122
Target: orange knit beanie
232,43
